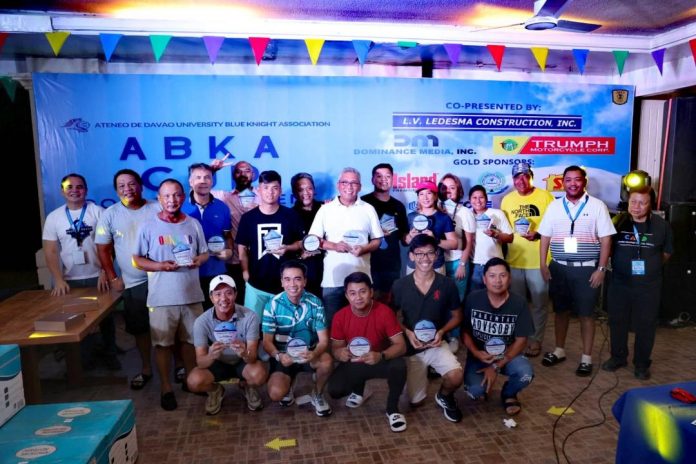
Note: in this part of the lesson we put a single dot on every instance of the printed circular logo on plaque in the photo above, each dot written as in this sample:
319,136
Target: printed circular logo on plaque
216,244
425,331
420,222
225,332
311,243
359,346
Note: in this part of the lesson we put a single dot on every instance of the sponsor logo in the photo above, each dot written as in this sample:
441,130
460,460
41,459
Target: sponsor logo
77,124
409,181
619,96
543,145
493,182
554,183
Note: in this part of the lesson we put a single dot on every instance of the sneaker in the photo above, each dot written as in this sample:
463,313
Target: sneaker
321,407
253,398
288,400
449,407
613,364
453,345
642,373
214,401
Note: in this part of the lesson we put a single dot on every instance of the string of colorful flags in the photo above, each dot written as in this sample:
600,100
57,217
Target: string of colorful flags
362,48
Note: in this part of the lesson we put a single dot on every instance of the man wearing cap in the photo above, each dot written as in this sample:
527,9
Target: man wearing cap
296,338
349,230
240,200
429,300
524,208
226,338
578,230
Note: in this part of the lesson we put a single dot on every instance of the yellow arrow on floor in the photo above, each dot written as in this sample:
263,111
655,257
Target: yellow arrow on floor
278,443
558,410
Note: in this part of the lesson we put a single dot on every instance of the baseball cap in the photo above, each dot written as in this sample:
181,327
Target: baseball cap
221,279
427,185
521,168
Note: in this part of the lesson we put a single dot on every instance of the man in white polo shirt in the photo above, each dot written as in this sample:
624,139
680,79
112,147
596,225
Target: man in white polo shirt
350,231
578,229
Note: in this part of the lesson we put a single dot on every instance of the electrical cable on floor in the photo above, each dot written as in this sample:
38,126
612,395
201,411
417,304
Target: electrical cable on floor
555,424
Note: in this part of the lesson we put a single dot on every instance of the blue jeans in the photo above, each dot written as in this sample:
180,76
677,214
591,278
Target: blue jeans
519,371
334,299
476,277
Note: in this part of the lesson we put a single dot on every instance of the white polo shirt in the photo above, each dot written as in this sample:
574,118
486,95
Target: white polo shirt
332,221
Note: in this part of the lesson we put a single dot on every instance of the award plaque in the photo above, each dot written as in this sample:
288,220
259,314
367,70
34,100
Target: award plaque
355,238
247,198
225,332
359,346
311,243
425,331
483,221
216,244
420,222
272,240
496,347
388,223
522,225
183,255
450,206
295,348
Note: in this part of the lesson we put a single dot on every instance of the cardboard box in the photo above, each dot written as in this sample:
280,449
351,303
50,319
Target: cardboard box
59,321
11,385
99,432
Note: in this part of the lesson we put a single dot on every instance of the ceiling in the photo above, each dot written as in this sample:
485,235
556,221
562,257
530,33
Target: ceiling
636,25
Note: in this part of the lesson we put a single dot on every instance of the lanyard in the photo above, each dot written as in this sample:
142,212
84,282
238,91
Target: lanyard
638,236
76,226
577,215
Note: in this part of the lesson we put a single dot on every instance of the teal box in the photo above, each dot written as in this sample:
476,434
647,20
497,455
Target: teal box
11,385
90,432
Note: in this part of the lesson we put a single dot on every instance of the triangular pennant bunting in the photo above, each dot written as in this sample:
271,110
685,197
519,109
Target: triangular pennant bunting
56,40
692,43
258,46
159,44
10,86
540,55
620,58
659,57
580,55
109,43
453,51
362,48
3,38
212,45
497,52
314,47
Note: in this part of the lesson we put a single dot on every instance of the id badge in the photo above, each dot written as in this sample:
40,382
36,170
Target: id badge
570,245
637,267
78,257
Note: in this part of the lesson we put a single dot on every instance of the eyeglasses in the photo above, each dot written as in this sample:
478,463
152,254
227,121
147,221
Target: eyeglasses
429,254
348,183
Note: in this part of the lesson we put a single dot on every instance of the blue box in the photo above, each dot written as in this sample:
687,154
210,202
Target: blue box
11,384
91,432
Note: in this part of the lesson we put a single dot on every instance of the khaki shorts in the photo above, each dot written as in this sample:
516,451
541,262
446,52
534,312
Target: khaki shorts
439,358
167,323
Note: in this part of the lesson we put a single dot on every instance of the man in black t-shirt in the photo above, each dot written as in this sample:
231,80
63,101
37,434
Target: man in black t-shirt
496,326
385,262
640,248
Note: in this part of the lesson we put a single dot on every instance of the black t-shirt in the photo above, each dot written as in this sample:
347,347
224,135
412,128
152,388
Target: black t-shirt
388,258
264,269
314,263
482,321
655,238
435,306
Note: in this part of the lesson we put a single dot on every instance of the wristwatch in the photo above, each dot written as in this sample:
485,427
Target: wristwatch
382,356
602,268
495,367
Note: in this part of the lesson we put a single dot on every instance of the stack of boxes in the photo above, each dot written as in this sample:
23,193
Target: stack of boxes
89,432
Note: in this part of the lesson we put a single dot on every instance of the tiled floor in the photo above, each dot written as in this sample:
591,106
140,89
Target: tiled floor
362,435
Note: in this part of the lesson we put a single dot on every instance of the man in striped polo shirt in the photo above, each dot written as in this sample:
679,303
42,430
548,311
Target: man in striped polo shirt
578,229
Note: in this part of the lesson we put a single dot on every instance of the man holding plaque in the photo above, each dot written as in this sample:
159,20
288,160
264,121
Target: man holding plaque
496,326
297,339
349,230
266,234
524,208
368,343
429,307
170,248
226,338
214,216
385,262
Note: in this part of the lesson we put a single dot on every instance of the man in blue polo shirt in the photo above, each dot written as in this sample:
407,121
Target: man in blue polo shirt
214,216
297,339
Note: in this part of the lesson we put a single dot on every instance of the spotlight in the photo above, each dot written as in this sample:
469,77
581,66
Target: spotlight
632,181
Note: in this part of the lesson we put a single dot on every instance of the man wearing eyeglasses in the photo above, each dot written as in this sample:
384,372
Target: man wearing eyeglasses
429,307
349,230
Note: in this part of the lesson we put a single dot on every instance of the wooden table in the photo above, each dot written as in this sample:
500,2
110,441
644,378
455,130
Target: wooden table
17,316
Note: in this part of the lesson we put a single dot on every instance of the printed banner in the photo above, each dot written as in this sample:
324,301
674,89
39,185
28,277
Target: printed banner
160,124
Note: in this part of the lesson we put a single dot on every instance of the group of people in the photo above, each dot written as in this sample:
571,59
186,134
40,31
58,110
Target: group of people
232,284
